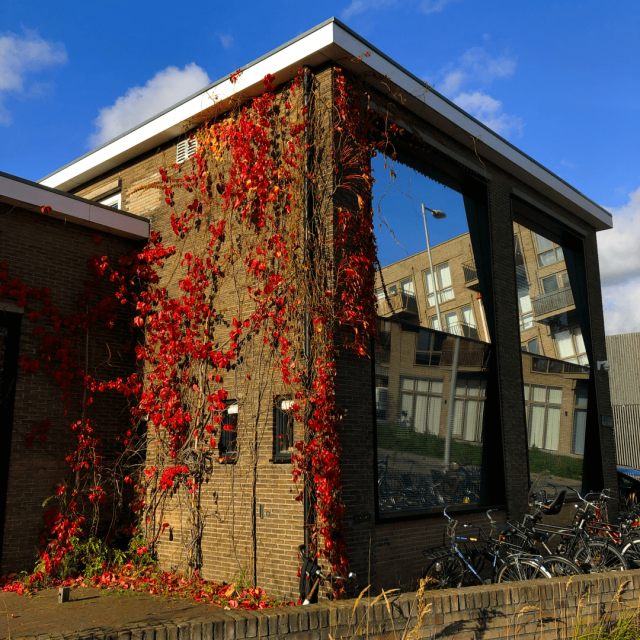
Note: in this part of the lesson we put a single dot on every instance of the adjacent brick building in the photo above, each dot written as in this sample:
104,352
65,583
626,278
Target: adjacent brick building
49,250
500,187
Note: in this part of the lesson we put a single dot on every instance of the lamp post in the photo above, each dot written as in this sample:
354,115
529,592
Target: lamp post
438,215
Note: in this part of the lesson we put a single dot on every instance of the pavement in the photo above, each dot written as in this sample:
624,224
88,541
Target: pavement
24,616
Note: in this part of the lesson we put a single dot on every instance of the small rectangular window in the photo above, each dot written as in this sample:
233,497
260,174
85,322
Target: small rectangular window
114,201
407,287
228,441
444,285
548,252
283,431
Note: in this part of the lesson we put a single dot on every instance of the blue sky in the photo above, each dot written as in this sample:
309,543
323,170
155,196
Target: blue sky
559,80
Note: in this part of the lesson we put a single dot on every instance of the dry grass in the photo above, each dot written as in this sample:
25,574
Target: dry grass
360,628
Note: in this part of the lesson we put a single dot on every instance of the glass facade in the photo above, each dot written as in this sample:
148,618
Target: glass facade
433,355
555,361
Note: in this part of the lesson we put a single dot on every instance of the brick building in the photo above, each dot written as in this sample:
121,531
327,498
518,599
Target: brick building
501,193
49,250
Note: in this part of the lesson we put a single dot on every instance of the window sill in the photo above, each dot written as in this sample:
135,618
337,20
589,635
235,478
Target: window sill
281,459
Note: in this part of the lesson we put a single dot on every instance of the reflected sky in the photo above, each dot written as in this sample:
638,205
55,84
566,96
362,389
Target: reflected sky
398,200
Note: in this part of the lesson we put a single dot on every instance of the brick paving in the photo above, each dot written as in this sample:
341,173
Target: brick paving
93,609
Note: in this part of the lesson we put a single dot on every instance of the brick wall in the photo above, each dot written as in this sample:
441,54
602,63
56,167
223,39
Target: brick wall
45,252
387,552
533,610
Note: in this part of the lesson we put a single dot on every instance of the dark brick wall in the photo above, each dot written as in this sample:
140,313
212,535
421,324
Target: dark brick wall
45,252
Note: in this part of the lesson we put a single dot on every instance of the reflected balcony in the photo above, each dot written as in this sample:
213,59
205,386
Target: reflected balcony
401,304
470,273
552,303
464,330
472,355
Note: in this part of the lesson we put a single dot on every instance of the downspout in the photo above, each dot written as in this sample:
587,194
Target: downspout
307,221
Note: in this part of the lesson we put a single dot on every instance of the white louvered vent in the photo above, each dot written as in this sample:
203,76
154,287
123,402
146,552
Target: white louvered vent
186,149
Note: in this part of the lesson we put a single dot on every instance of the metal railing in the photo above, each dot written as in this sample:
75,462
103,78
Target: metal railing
402,303
469,270
464,330
552,301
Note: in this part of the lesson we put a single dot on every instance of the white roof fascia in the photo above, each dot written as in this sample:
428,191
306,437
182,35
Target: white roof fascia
284,64
32,196
334,41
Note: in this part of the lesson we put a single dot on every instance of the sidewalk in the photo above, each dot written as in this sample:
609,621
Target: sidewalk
102,611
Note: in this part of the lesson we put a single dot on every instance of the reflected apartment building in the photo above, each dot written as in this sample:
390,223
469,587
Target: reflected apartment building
422,449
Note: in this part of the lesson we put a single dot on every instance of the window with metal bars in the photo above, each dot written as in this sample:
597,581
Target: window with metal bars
228,441
283,431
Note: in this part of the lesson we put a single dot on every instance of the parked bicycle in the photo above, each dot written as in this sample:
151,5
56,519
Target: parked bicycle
487,559
592,554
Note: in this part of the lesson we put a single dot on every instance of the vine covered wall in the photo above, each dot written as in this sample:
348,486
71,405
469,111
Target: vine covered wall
43,272
247,276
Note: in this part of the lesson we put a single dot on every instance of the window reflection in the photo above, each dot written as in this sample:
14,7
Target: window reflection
431,355
555,363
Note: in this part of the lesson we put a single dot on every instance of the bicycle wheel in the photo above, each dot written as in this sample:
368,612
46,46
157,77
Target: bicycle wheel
559,566
598,556
517,569
631,551
445,573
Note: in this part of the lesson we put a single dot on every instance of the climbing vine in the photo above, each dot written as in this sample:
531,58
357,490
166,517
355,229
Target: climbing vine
248,294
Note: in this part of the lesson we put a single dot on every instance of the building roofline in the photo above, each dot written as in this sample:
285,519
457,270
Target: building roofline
420,253
33,196
330,41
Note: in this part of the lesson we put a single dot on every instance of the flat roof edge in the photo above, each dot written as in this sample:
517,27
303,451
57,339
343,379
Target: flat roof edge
499,150
91,214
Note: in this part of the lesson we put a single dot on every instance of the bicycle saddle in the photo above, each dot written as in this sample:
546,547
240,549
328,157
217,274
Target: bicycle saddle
538,536
502,529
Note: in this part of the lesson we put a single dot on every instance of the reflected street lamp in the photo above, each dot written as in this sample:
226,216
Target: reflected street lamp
438,215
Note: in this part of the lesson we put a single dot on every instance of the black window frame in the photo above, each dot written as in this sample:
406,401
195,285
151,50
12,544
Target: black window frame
283,432
228,443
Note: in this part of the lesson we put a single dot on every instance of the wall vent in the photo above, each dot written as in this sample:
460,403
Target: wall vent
186,149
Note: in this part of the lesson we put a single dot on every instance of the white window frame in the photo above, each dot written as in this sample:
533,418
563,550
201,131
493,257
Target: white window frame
546,405
579,353
446,293
466,396
429,395
114,200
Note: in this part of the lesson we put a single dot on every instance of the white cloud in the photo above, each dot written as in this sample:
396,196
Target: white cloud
621,312
433,6
465,81
475,66
358,6
620,268
21,56
140,103
425,6
489,111
452,82
618,247
568,164
226,40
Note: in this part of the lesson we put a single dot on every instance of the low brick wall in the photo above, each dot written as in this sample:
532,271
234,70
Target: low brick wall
527,610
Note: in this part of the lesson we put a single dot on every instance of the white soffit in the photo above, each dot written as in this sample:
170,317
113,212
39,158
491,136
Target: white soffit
331,41
33,196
